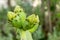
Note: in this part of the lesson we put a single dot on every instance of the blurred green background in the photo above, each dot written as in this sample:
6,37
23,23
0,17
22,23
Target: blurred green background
43,8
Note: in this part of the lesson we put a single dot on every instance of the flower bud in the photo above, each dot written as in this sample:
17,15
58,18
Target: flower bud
33,19
11,15
18,9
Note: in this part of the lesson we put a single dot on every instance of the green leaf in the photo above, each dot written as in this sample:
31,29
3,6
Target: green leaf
58,15
34,28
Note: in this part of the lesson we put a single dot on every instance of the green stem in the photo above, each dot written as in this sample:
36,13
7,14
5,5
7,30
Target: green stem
25,35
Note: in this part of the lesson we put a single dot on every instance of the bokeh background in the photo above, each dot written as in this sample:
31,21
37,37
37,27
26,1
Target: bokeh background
49,15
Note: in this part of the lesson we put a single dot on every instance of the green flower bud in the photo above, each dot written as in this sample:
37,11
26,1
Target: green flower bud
33,19
18,9
11,15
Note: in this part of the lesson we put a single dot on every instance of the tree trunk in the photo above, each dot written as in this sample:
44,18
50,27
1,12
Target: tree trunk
49,15
9,3
45,21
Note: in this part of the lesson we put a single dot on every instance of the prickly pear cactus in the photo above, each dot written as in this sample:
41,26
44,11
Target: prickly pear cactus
26,24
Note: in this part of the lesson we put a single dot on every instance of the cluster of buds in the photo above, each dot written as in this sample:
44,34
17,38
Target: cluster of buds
19,20
33,19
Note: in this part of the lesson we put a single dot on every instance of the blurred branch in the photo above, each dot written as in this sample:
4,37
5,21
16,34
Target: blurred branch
51,4
9,3
44,24
49,15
